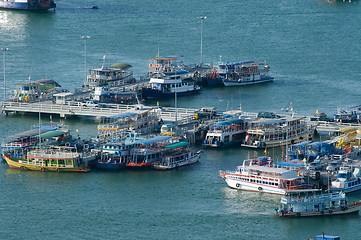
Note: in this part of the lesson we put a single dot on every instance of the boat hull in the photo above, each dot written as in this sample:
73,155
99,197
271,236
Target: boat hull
229,83
11,161
242,185
353,208
110,166
155,94
26,6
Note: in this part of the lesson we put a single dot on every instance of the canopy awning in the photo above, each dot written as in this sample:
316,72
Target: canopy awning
154,140
177,145
51,134
124,115
33,132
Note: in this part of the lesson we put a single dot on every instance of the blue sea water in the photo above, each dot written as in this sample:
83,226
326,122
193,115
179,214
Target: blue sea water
312,47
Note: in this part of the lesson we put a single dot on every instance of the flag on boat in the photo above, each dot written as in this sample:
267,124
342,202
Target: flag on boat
185,135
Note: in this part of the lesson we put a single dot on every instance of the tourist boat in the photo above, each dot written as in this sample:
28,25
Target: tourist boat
165,65
140,119
258,175
167,85
107,76
50,135
115,95
265,133
240,73
30,92
177,155
149,151
226,132
316,205
115,155
52,159
35,5
313,150
348,180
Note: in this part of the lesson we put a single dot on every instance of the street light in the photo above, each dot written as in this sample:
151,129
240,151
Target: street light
4,50
85,38
202,19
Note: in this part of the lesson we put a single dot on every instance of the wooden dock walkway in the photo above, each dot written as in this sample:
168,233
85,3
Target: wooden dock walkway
167,114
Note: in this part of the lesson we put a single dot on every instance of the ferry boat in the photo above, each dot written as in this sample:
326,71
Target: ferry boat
35,5
30,92
316,205
149,151
348,180
258,175
52,159
240,73
116,155
226,132
109,77
265,133
140,119
50,135
166,85
179,154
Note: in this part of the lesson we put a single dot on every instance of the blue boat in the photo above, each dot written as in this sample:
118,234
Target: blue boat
312,150
35,5
115,155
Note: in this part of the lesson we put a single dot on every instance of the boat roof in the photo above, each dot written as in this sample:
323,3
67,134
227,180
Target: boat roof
51,134
229,122
106,69
154,139
179,72
33,132
287,174
289,164
48,82
63,94
235,63
301,144
177,145
124,115
163,58
269,121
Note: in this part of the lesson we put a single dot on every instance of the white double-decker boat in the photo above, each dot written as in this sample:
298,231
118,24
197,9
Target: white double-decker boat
258,175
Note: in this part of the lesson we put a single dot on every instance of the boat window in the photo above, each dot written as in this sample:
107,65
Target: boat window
276,184
342,175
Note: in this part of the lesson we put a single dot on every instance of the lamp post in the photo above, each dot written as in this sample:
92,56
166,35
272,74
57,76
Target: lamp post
202,19
85,38
4,51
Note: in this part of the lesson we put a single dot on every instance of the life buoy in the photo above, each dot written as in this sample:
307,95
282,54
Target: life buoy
43,169
260,189
57,170
237,185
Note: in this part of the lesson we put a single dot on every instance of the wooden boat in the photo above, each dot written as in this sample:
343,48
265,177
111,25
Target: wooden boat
54,159
316,205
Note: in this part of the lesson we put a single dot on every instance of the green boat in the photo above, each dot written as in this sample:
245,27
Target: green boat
54,159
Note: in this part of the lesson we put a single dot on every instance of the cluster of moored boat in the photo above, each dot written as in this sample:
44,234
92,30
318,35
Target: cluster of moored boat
299,179
54,150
